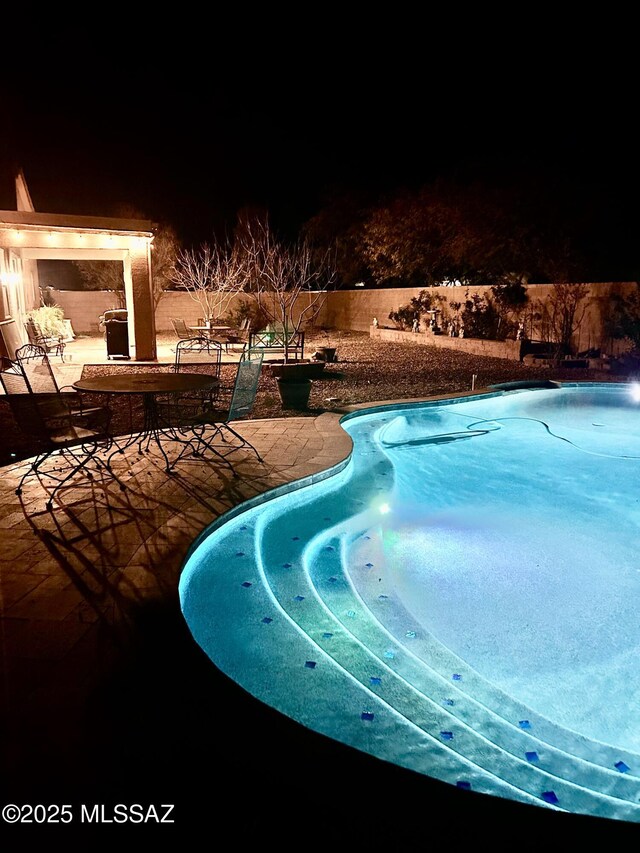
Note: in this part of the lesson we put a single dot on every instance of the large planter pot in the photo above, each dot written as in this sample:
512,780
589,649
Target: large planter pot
327,354
297,369
294,393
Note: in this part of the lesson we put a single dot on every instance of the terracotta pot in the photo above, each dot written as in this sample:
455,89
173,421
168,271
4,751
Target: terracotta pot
294,393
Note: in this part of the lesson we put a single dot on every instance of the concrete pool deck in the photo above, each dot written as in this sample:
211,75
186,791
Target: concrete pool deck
107,700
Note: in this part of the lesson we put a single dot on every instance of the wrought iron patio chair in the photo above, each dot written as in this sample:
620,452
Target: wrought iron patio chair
240,405
41,379
200,355
181,329
196,352
53,433
38,338
239,335
194,355
210,425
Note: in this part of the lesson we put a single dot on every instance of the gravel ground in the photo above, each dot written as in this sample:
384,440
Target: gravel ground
365,371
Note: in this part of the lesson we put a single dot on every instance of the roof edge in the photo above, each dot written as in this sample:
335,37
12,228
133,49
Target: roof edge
60,220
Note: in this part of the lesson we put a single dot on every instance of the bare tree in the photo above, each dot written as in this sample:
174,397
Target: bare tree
290,282
212,276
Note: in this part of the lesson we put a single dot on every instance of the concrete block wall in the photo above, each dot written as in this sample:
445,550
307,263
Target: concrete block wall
176,304
83,308
354,310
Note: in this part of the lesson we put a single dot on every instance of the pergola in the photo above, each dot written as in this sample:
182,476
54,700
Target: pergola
27,236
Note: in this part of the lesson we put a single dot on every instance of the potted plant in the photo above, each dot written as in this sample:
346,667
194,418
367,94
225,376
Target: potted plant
326,353
294,393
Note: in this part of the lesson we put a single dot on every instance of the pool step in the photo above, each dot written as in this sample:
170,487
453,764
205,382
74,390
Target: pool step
303,642
523,759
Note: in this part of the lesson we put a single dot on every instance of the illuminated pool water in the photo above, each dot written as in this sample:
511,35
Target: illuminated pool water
461,599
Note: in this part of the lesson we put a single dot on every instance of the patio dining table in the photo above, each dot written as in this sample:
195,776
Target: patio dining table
214,331
149,386
211,328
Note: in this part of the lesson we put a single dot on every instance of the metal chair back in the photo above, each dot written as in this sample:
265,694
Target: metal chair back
245,387
54,344
29,414
14,379
198,353
180,328
35,363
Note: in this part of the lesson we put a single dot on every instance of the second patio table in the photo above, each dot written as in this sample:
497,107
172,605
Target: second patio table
149,386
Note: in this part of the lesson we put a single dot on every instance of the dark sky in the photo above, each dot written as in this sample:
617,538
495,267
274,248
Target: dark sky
193,156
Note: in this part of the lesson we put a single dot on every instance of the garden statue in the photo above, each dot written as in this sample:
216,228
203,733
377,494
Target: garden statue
416,325
375,322
520,332
461,331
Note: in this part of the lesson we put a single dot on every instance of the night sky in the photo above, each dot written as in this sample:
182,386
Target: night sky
198,155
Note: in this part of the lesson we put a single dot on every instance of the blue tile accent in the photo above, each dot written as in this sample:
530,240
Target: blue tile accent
446,735
464,785
550,797
327,635
382,597
299,598
411,635
524,724
622,767
267,620
246,583
295,538
366,715
369,565
239,553
448,702
531,756
375,679
310,664
286,565
457,677
332,579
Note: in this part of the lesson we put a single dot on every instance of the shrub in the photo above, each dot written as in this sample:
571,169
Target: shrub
419,305
482,319
251,310
49,319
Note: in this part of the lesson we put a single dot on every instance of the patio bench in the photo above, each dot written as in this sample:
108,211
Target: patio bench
277,341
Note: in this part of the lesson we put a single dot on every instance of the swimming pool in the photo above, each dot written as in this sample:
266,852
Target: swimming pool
460,599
